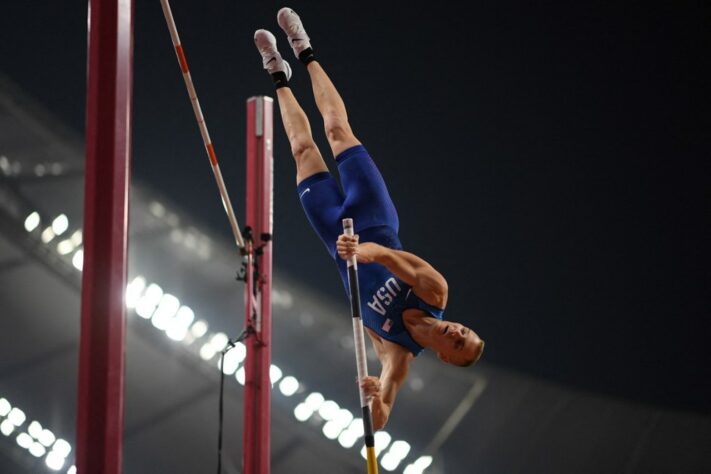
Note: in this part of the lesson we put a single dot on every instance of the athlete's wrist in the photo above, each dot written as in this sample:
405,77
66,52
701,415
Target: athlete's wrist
376,252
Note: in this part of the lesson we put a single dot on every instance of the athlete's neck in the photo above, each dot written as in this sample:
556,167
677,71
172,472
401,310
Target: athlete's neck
421,327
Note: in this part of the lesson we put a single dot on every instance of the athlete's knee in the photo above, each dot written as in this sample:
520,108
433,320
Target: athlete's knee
337,128
302,149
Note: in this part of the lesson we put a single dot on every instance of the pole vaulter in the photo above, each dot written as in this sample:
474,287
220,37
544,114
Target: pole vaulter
399,297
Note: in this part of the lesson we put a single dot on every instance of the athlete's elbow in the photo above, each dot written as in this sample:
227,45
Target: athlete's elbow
379,423
442,285
380,415
433,283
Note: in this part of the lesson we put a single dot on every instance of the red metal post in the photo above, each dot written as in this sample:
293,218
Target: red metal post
103,316
257,395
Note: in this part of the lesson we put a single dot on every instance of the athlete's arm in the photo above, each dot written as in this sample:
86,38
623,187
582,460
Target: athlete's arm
427,283
382,390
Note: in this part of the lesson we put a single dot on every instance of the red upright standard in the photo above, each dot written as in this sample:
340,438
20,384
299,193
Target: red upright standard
257,395
103,314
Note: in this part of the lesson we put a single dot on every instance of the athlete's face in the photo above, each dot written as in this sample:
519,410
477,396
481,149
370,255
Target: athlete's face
457,344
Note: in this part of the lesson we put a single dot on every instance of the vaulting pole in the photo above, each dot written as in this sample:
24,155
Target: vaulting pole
107,180
259,218
209,148
361,363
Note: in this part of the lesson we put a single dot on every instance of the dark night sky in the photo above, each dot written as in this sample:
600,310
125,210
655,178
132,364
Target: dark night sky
550,160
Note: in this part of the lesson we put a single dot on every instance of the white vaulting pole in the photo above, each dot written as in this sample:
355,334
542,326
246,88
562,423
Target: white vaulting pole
361,362
201,123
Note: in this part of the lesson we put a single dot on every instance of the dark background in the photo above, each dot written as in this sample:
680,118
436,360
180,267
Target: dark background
550,160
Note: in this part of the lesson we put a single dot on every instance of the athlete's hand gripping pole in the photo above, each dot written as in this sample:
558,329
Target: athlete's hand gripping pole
360,353
201,124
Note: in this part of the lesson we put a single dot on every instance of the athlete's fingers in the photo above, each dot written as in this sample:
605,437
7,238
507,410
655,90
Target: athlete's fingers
346,248
371,385
346,245
348,238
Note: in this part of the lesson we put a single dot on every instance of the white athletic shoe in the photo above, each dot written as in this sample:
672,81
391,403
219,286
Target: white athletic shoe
271,59
290,22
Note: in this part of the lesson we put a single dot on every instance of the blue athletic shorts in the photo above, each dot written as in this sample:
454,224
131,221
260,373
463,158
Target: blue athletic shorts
364,198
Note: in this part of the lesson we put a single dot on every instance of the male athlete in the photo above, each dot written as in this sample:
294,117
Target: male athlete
403,297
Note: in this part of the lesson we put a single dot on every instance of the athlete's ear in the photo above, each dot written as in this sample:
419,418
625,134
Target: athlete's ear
443,357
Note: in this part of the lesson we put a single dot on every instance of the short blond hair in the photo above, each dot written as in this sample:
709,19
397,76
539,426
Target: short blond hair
475,358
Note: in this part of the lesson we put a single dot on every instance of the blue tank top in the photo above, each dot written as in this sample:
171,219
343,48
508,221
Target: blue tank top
384,297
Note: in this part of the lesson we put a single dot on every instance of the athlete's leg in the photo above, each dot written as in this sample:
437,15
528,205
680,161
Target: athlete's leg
318,191
306,154
366,197
333,110
330,104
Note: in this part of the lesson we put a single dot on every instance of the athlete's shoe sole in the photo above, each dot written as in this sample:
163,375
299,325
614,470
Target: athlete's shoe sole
290,22
271,58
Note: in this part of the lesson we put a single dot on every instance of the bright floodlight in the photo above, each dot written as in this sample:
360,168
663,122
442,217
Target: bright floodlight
165,311
78,259
47,438
32,221
343,417
24,440
134,291
302,412
72,470
314,401
176,333
240,351
60,224
240,375
219,341
37,450
167,308
6,427
390,462
183,318
5,407
157,209
356,427
207,352
190,240
47,235
16,416
282,298
423,462
62,447
419,466
328,410
229,363
76,237
199,328
400,449
275,373
382,440
288,386
178,326
65,247
332,429
54,461
147,303
35,429
347,439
